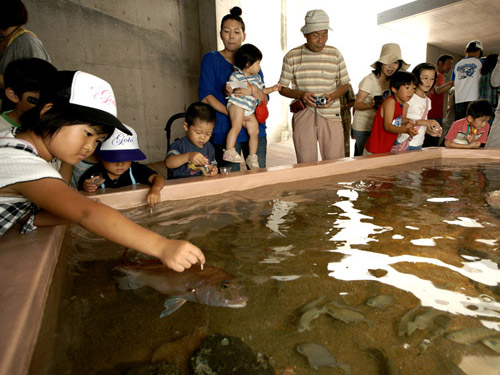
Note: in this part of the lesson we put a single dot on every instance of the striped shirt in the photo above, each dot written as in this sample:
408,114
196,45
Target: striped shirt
248,102
317,72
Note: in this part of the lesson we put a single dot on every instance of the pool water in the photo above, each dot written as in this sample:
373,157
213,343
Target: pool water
421,233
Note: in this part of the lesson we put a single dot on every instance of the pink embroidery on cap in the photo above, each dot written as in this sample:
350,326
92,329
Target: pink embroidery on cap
105,95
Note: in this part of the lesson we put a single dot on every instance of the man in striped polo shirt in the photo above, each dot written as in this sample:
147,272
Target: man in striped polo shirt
318,77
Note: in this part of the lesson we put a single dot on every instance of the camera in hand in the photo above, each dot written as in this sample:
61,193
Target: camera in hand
377,99
320,100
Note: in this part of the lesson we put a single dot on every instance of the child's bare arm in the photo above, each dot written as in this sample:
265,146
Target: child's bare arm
154,195
388,108
175,161
268,90
108,223
451,144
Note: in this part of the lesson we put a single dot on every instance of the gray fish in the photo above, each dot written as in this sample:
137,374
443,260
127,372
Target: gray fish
493,343
307,317
471,335
211,286
405,319
423,321
317,355
345,314
380,301
439,326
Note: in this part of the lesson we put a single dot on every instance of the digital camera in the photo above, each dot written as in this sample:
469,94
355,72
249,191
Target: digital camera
320,100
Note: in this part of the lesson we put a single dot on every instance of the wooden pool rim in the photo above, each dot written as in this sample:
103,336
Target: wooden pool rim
27,262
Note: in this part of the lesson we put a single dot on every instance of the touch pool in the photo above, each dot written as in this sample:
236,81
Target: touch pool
420,233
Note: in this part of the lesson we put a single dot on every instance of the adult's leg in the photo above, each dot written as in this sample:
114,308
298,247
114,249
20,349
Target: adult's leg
361,137
331,138
262,151
494,136
305,136
461,110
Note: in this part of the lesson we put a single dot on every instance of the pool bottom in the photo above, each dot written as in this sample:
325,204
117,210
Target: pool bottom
21,295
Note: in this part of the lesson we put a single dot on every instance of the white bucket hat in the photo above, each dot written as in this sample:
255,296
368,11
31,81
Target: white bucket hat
121,147
389,53
316,20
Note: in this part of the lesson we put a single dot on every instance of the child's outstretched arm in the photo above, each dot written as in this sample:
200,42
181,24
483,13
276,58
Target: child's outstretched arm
268,90
59,199
154,195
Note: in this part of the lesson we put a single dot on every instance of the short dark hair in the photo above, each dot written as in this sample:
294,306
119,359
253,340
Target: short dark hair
424,66
479,108
443,58
489,63
28,75
13,13
53,120
201,112
400,78
247,55
234,14
378,68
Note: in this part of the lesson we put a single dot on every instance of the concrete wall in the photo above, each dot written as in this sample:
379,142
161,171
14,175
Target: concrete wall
149,50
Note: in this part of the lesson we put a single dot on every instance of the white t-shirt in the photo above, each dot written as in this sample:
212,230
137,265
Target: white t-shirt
363,120
466,75
417,108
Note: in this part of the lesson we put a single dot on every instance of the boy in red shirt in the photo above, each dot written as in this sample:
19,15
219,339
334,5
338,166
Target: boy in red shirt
471,131
388,121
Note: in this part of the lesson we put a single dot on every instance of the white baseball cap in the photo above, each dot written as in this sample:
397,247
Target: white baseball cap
85,95
121,147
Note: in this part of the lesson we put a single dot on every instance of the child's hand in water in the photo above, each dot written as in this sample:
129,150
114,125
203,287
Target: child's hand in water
153,198
180,255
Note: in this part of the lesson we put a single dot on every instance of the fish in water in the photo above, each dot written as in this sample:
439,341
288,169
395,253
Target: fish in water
493,343
439,326
211,286
380,301
471,335
318,356
309,313
345,314
405,319
423,321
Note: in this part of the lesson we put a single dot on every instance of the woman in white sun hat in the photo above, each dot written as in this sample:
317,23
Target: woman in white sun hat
371,91
74,116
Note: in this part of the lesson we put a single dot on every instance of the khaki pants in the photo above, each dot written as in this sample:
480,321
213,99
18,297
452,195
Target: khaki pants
310,130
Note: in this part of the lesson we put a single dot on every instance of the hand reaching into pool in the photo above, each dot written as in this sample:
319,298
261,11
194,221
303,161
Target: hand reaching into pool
180,255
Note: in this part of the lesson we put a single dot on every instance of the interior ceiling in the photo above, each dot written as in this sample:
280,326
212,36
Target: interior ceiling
448,24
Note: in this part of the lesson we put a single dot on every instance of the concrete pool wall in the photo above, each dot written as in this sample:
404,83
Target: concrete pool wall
28,261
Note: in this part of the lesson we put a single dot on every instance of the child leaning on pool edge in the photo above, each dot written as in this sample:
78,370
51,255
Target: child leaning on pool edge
193,154
471,131
388,122
72,119
118,156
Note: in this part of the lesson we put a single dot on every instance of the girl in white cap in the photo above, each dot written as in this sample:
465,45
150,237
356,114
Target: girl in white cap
371,90
74,117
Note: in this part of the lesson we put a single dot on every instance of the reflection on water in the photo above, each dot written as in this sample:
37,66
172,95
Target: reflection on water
316,250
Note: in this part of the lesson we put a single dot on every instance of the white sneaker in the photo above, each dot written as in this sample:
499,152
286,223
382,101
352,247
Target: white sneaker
253,161
232,156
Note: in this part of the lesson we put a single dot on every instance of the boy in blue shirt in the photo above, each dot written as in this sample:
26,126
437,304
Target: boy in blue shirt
194,155
117,167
